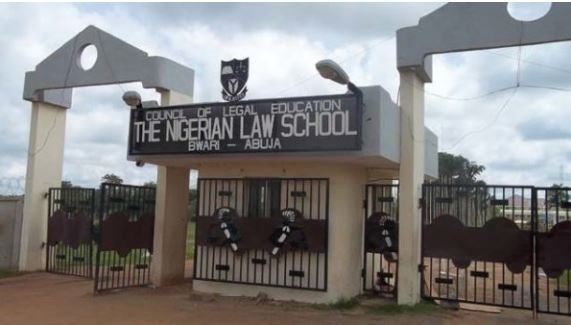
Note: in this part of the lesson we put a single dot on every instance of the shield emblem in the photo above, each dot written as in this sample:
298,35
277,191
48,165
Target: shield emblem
233,76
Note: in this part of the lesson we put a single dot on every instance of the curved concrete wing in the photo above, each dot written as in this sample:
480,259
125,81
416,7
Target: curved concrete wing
457,27
117,62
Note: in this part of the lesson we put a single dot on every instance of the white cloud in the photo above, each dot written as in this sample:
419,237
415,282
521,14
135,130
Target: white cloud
282,64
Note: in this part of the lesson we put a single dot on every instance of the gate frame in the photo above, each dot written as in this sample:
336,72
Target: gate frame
147,276
320,181
366,213
534,247
92,214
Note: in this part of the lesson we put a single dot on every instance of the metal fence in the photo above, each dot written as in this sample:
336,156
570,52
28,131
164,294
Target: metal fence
70,231
380,260
124,236
263,231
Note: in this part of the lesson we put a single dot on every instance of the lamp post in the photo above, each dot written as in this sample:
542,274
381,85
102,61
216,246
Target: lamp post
133,100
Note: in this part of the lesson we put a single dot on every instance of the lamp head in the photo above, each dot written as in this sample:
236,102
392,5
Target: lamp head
132,98
328,69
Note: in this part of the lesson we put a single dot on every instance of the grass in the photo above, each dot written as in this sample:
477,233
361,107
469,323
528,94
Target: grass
565,278
9,273
190,232
340,304
345,304
394,309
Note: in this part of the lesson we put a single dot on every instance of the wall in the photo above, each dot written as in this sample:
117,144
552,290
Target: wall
346,194
10,231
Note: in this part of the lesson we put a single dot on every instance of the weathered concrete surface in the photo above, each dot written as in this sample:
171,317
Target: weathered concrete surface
10,231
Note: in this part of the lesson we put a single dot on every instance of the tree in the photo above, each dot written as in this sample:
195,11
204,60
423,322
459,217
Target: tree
66,184
150,184
456,169
555,195
112,178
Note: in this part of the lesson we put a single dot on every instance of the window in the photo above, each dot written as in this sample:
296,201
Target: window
264,197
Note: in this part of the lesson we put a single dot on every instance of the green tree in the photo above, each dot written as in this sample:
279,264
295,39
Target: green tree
112,178
456,169
66,184
555,195
150,184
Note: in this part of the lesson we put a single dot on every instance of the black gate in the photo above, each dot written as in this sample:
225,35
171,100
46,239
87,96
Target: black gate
124,236
477,244
381,239
70,231
553,247
263,231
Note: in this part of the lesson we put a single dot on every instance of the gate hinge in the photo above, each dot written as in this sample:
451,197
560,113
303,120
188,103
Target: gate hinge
421,268
421,203
364,204
362,273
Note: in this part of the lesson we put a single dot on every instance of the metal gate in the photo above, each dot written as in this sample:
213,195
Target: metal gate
263,231
124,236
477,244
498,245
553,250
70,231
380,257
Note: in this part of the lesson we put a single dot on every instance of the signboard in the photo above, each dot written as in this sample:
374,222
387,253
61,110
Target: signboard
272,125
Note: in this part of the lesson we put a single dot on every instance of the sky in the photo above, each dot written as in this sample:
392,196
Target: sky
520,135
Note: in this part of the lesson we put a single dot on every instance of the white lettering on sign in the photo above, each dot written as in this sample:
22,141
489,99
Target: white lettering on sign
273,125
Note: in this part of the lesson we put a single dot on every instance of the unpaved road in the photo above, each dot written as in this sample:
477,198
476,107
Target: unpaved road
41,298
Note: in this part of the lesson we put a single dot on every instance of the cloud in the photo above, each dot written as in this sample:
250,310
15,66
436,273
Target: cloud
541,130
525,144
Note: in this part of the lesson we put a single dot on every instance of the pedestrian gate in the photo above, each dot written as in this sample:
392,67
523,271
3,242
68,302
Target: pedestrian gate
381,239
70,227
125,236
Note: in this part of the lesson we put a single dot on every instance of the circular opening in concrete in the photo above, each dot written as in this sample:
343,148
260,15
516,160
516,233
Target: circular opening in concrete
87,57
528,11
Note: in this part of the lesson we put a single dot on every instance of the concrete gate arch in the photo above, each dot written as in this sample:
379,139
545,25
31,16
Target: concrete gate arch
49,87
454,27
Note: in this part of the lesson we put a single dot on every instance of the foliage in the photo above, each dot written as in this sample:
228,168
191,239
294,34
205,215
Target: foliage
150,184
340,304
394,309
457,169
111,178
555,195
9,273
190,235
565,278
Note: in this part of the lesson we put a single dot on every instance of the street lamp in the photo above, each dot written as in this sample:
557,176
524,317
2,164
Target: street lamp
132,99
329,69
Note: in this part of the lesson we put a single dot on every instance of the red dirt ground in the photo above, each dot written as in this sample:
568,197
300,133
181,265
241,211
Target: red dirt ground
41,298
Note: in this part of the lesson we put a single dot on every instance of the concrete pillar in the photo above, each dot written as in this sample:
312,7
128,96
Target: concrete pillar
410,180
44,170
170,214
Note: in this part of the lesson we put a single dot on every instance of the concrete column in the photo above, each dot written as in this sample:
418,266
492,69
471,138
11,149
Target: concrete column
410,180
170,214
44,170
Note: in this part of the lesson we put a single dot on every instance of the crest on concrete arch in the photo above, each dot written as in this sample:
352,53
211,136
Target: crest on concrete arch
233,76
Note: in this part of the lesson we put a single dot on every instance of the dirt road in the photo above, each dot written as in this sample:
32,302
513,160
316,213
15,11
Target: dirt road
41,298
